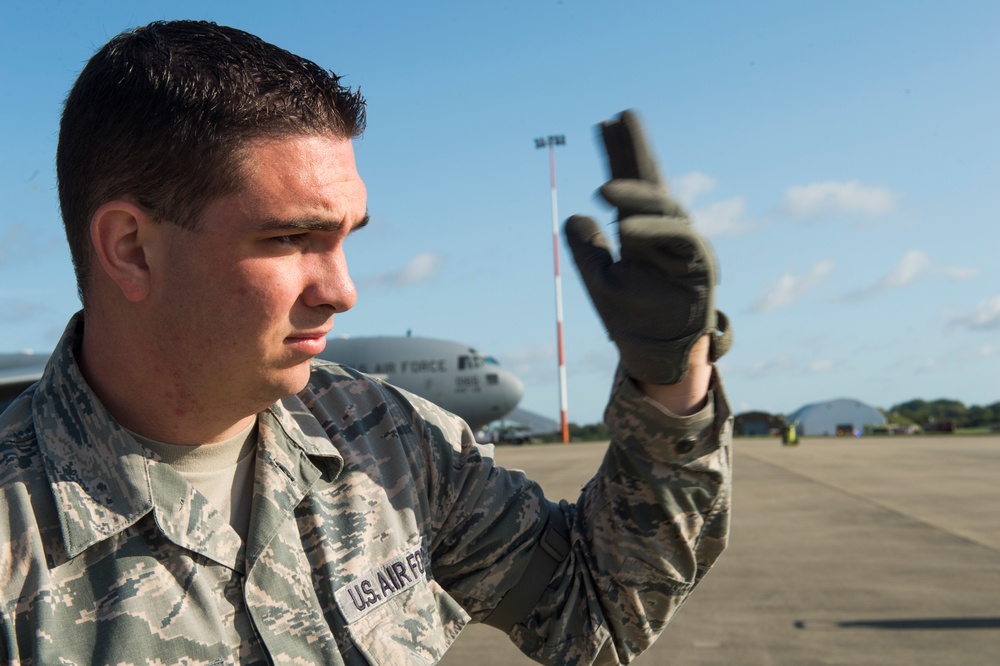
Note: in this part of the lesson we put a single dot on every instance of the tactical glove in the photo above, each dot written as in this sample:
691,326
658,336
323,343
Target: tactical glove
657,300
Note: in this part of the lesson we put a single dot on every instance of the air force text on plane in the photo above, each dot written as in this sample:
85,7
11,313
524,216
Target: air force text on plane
415,367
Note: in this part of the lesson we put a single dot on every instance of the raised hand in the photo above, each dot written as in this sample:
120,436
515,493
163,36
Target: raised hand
657,300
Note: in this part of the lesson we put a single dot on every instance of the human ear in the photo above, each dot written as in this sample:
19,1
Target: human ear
118,233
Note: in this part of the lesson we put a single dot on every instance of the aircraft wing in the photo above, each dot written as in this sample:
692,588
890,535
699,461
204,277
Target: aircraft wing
537,424
18,372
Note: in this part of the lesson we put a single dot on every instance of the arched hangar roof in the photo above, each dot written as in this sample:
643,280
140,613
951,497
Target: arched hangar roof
824,418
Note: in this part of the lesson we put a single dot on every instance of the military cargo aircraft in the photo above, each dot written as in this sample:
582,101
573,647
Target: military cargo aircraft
18,371
450,374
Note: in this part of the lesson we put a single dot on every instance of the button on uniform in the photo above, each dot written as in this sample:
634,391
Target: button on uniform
686,445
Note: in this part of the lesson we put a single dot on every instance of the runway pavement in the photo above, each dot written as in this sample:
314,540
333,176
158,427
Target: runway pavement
875,550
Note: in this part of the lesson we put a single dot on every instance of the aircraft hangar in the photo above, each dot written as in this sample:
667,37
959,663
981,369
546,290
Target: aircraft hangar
842,416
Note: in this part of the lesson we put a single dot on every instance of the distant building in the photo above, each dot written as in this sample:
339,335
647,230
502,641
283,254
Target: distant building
756,423
940,426
843,416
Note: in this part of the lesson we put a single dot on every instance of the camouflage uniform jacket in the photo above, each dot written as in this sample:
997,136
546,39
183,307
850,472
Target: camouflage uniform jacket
379,529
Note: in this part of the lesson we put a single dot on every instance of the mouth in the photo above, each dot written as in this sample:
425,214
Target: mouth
310,342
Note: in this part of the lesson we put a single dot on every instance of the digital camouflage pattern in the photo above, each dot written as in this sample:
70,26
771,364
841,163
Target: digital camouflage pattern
379,529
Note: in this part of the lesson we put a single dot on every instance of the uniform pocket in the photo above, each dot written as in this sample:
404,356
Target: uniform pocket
414,626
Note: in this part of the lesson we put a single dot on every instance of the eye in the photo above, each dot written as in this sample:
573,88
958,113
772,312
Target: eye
289,239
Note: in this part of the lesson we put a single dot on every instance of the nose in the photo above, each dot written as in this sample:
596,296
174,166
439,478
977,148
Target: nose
329,283
508,392
513,389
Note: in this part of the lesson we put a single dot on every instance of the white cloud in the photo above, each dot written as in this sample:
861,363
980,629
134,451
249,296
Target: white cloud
975,355
985,317
929,365
421,268
956,273
789,288
784,364
838,197
816,367
915,264
602,359
690,186
533,364
723,218
774,366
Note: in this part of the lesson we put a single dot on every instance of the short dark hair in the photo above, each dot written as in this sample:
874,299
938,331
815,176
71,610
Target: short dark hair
161,113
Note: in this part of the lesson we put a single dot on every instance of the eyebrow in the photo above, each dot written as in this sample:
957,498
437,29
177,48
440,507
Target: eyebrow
310,224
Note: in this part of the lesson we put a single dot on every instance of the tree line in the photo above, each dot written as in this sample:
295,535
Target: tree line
912,412
921,412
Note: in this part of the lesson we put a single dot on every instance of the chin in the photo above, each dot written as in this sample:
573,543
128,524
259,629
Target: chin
297,378
286,382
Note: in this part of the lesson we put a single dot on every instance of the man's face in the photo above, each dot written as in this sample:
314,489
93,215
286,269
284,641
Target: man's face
244,302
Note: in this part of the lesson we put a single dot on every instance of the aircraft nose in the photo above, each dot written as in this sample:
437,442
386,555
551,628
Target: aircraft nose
509,391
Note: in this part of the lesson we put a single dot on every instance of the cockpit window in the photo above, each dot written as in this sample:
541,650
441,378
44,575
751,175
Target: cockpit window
473,362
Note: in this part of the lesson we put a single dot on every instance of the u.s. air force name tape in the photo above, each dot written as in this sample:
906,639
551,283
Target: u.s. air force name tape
382,583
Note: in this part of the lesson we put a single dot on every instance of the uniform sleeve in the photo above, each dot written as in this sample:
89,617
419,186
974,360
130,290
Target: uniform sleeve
644,531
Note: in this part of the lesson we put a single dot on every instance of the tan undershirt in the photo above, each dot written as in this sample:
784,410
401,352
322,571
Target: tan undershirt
222,472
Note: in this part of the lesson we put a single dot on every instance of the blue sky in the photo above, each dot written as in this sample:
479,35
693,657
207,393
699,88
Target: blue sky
842,158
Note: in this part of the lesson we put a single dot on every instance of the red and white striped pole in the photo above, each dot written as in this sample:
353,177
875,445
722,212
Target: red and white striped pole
552,141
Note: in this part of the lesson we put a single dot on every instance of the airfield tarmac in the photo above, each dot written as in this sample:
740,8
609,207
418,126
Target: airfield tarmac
876,550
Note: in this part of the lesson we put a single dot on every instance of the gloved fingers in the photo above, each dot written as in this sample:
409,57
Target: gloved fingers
722,339
590,248
628,152
670,243
638,197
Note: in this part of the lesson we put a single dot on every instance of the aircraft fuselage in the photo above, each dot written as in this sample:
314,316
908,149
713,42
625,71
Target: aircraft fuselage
449,374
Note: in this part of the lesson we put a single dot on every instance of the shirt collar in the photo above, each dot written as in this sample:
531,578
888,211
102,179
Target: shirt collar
98,473
100,476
